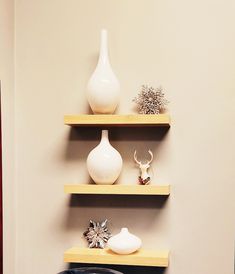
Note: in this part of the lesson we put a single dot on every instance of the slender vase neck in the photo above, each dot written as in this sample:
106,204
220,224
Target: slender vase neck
124,230
104,136
104,55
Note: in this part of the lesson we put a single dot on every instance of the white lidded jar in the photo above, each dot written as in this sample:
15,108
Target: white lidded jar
103,89
124,242
104,162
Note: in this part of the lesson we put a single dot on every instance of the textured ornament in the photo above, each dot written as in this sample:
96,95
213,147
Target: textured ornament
97,234
150,100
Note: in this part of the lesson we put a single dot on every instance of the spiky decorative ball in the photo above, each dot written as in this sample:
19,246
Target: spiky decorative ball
97,234
150,100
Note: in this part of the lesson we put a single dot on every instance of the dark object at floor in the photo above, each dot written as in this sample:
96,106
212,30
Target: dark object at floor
90,270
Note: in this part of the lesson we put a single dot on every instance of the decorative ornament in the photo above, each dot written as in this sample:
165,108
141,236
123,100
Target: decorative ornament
124,242
103,89
97,234
104,162
150,100
144,177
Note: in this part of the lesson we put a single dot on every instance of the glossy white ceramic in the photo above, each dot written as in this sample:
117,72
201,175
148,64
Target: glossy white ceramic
124,242
104,163
103,89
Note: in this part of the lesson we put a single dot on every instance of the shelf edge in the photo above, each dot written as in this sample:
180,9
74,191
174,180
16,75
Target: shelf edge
104,256
86,189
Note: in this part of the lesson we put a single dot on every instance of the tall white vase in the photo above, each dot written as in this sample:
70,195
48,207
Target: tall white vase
103,89
104,163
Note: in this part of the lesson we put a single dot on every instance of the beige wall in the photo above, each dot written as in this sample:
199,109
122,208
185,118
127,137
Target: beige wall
7,113
188,48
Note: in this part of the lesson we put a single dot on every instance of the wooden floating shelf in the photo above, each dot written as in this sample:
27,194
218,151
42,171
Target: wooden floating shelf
117,120
118,189
104,256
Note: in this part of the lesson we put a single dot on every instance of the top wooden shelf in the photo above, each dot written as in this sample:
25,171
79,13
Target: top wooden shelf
140,120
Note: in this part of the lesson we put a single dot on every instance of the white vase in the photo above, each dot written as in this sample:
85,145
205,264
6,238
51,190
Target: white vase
104,163
124,242
103,89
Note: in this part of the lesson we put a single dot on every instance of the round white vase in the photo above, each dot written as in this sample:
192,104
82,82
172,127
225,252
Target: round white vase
124,242
104,163
103,89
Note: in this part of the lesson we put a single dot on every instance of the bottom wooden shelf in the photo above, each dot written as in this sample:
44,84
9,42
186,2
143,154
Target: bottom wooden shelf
104,256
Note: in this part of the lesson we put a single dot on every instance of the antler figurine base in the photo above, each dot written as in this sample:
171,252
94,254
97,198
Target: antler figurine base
145,181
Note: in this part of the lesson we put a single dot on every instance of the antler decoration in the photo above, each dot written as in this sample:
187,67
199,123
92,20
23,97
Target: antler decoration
144,177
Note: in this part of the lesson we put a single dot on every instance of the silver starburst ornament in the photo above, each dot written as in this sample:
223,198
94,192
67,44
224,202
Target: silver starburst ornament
97,234
150,100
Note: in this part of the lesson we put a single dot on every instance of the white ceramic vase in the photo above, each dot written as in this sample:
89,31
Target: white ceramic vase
104,163
124,242
103,89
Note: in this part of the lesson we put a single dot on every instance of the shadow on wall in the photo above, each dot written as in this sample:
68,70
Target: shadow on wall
125,140
118,133
125,269
119,201
116,208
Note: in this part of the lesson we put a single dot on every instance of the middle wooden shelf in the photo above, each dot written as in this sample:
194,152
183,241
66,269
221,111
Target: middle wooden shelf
117,189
